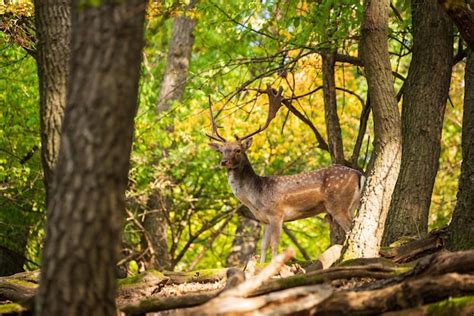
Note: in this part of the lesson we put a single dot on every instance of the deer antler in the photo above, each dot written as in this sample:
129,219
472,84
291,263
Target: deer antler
274,104
218,137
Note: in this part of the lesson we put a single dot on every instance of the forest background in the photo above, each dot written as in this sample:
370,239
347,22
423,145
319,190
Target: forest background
176,186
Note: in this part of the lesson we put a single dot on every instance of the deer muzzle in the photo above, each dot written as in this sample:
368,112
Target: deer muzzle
226,163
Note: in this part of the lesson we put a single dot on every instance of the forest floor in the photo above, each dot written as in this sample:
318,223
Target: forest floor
416,278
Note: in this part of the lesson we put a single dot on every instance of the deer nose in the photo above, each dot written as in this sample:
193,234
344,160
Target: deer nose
224,162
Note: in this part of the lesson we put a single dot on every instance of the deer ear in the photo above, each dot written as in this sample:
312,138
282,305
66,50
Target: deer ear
247,142
215,146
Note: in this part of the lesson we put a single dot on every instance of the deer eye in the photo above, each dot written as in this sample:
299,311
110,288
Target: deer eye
237,151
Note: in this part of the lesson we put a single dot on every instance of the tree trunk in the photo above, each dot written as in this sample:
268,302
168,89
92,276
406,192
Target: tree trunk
244,244
85,214
177,62
333,128
171,90
365,237
330,109
156,225
10,261
463,15
53,24
424,102
461,228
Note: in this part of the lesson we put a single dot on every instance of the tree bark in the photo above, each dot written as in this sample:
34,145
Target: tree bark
156,225
463,16
333,128
330,109
424,102
10,261
53,24
366,234
85,214
177,62
244,244
461,228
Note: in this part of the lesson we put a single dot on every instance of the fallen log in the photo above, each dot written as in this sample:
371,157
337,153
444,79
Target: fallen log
416,248
408,294
452,306
375,271
18,291
141,285
434,265
157,303
287,302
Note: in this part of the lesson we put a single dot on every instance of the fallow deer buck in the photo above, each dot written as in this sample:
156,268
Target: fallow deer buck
276,199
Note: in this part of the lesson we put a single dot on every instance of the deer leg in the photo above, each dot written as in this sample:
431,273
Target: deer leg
265,241
275,232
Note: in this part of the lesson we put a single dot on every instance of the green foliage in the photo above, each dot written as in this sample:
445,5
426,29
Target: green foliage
239,46
22,194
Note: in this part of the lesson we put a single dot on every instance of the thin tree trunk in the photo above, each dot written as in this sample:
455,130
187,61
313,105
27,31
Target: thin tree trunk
171,90
461,228
86,212
53,24
156,225
333,128
177,62
244,244
366,234
330,109
424,102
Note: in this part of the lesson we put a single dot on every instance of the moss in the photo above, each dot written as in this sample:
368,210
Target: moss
11,308
205,275
403,268
451,307
365,261
22,283
402,241
139,278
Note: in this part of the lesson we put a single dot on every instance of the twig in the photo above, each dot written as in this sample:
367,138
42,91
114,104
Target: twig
364,117
292,237
270,270
211,240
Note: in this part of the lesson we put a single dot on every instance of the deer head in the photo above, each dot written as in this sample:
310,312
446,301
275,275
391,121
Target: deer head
234,152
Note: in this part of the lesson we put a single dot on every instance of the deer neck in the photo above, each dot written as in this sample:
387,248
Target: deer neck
244,177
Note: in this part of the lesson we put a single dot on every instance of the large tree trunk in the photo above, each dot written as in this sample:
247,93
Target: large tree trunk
424,101
53,23
365,237
85,214
461,228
